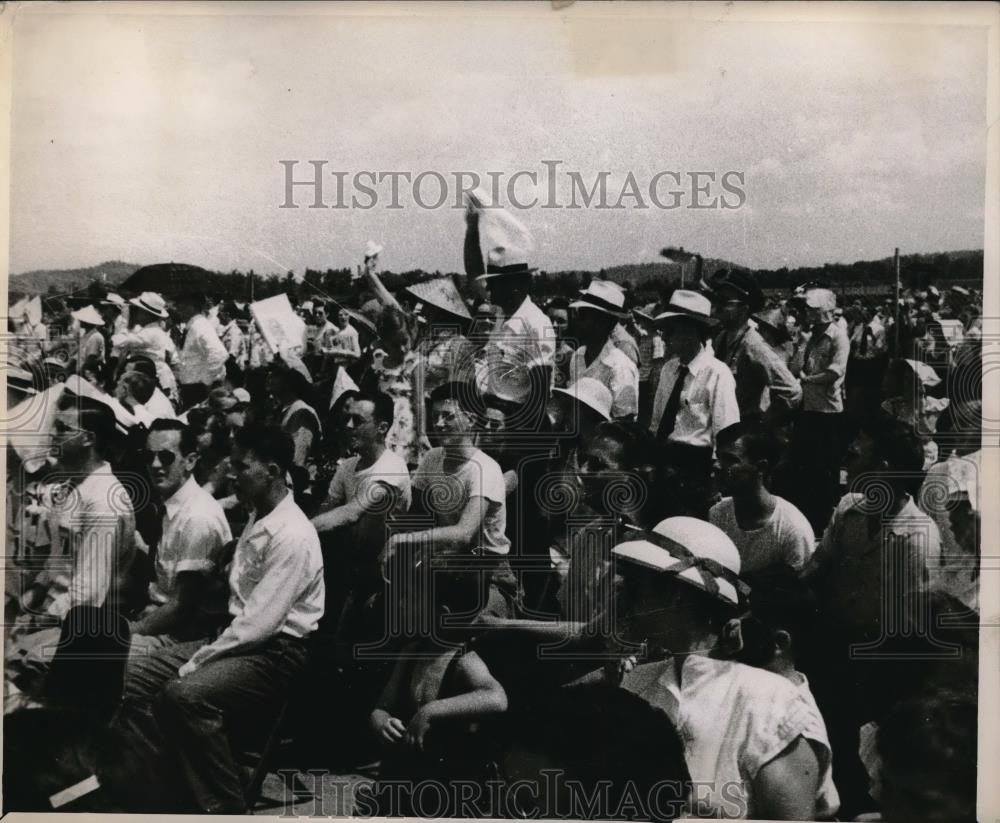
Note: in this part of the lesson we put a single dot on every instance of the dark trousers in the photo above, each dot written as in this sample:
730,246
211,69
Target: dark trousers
193,716
817,448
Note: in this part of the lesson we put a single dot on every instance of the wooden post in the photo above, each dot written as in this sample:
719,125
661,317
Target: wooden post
895,305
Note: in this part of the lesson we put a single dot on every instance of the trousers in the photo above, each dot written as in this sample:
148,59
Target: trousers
196,718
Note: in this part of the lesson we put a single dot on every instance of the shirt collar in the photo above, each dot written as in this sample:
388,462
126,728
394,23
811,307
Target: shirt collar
699,361
277,515
525,308
180,497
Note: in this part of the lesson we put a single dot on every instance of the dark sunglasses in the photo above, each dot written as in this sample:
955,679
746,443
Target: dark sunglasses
167,458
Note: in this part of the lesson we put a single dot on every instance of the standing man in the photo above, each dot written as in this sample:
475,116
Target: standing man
188,594
92,343
198,691
202,361
817,436
599,309
767,530
231,335
557,310
763,382
695,398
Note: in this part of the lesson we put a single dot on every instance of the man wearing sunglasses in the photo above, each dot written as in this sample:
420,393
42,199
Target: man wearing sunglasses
188,594
198,692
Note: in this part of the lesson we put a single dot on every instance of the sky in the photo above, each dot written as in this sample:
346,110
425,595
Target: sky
152,136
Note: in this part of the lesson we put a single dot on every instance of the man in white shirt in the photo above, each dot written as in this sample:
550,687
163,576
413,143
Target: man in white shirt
767,529
368,488
188,595
520,350
748,734
202,360
90,524
276,599
599,308
695,398
343,346
231,335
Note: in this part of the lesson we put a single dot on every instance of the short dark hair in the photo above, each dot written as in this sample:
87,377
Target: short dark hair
140,384
637,442
467,396
189,439
385,406
759,441
779,601
95,417
319,304
270,443
142,364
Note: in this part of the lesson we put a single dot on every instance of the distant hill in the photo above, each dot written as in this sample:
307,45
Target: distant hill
69,280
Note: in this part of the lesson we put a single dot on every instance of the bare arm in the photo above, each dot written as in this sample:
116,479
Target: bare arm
179,610
785,788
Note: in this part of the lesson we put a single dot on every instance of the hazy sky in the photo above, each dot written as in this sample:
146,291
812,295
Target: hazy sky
157,137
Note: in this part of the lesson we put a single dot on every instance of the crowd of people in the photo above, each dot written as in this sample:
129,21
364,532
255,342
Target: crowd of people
713,542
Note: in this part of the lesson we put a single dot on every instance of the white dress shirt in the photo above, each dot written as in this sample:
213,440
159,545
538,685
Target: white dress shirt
203,357
613,368
518,343
275,584
708,400
194,531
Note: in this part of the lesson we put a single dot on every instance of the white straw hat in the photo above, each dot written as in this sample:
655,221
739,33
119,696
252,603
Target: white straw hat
591,393
695,551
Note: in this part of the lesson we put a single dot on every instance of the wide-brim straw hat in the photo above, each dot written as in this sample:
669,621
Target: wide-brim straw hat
591,393
442,295
700,554
602,296
150,301
88,315
688,305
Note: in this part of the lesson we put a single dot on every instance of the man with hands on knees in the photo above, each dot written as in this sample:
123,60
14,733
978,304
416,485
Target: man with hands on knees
196,691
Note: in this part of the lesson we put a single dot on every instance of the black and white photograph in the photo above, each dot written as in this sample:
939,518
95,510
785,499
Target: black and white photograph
533,410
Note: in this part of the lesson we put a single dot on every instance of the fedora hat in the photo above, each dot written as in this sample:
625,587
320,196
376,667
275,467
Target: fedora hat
88,315
742,285
602,296
591,393
503,262
688,305
113,299
150,301
441,294
700,554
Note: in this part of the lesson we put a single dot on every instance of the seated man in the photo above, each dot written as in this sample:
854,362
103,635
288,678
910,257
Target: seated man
463,490
367,488
363,481
198,691
90,525
188,593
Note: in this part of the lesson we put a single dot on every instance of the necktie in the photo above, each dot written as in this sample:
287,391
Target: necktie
669,418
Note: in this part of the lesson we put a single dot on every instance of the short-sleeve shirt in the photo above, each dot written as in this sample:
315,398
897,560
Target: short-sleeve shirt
350,484
195,530
854,592
786,538
826,351
447,494
734,720
613,368
708,400
91,526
